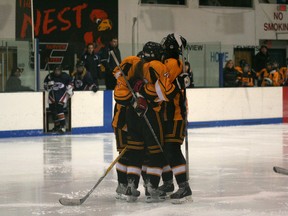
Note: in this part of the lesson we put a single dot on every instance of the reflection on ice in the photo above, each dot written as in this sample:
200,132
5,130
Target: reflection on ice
230,174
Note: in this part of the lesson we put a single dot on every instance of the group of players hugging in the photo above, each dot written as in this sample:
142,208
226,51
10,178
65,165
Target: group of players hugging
150,122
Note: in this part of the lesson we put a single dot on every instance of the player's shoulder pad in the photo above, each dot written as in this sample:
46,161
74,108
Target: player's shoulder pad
172,64
158,66
130,60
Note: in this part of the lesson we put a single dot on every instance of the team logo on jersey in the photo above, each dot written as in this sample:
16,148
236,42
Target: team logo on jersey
58,85
78,83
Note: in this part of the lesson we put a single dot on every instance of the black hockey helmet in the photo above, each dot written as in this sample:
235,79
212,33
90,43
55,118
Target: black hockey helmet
173,43
243,63
275,64
152,51
140,54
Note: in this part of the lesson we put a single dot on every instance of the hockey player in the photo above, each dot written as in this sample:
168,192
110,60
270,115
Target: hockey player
147,79
270,75
82,79
120,130
246,77
60,88
174,117
119,122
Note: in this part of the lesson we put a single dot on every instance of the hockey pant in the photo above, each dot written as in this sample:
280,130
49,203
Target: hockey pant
174,137
56,106
140,139
121,165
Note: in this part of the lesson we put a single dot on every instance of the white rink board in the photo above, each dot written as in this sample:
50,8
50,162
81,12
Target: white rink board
24,111
87,109
21,111
234,104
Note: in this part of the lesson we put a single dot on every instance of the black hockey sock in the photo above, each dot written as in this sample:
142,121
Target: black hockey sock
134,178
180,178
167,176
122,177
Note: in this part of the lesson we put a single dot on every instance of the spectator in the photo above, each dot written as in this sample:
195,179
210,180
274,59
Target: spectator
60,88
261,58
189,71
14,84
82,79
270,75
231,75
92,63
110,80
246,78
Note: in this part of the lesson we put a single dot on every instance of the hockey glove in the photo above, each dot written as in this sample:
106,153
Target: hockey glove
50,85
69,90
139,104
94,88
183,80
138,85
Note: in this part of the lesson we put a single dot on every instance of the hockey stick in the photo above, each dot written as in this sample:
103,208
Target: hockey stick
280,170
185,120
74,201
135,98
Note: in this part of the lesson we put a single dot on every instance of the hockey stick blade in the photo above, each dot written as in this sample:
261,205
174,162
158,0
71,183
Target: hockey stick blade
280,170
70,202
75,202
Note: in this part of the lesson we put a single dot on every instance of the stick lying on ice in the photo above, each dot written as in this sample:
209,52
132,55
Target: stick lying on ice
280,170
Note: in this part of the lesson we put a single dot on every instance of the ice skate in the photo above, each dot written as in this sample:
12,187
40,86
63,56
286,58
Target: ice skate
182,195
154,194
132,193
62,130
167,187
121,192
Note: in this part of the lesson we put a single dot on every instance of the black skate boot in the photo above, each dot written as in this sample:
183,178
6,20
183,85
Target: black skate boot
182,195
55,129
121,191
132,193
154,194
62,129
167,187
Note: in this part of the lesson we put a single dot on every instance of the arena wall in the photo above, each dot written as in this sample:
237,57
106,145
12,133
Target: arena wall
21,114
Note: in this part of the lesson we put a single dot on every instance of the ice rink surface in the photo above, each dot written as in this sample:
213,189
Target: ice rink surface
230,174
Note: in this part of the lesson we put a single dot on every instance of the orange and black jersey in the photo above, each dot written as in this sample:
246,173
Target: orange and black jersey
273,76
175,108
245,79
158,87
283,75
119,118
122,95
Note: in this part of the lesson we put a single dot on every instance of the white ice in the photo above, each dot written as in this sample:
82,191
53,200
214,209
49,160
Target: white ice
230,174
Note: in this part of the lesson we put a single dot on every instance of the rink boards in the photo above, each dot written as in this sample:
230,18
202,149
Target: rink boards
21,114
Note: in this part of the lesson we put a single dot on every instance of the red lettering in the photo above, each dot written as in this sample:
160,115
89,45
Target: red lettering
78,10
61,19
26,21
37,23
47,21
